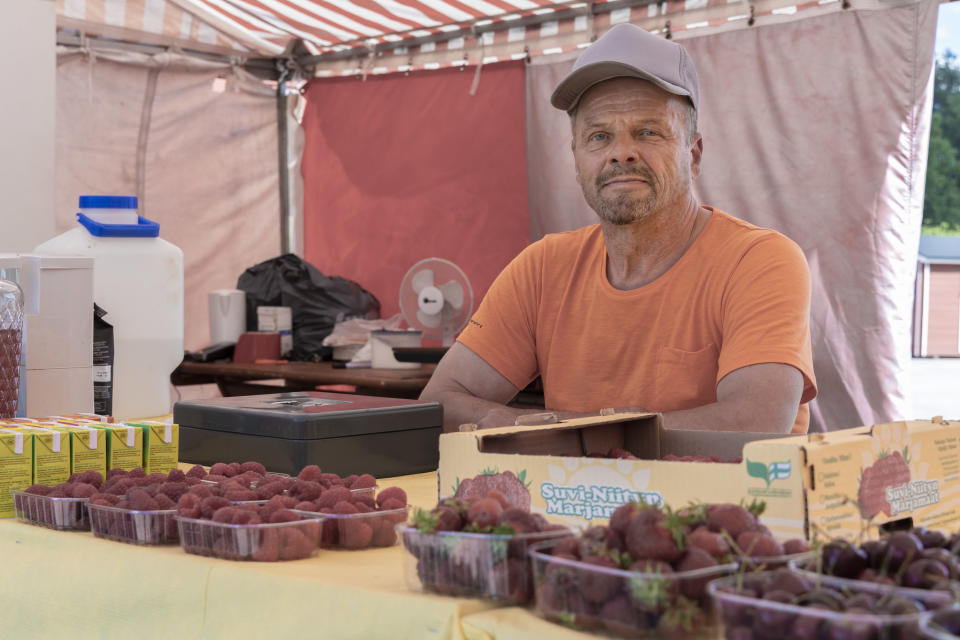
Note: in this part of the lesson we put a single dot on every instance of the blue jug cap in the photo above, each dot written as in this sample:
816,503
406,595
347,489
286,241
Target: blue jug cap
108,202
143,229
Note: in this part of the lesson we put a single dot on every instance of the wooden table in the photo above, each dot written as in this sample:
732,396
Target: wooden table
235,378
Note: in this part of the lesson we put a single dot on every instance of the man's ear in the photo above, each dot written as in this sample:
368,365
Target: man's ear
696,154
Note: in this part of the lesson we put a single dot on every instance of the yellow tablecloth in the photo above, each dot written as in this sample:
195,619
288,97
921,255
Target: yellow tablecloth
59,584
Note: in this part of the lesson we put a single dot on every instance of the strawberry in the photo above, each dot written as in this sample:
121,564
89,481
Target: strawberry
597,586
731,518
713,543
650,536
695,558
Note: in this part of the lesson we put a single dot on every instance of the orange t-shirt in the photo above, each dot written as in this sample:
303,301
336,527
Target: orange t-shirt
740,295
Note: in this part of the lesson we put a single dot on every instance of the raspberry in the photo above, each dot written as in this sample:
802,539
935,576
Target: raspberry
306,506
219,469
384,534
105,498
368,500
117,473
214,477
189,506
332,496
355,534
141,500
273,504
137,473
93,477
201,490
248,478
233,469
244,516
38,489
288,502
310,473
311,529
345,508
176,475
294,545
392,492
165,502
225,514
196,471
330,535
392,503
348,480
191,481
211,504
267,491
172,490
330,479
284,515
157,478
256,467
240,495
269,548
305,490
364,482
83,490
363,507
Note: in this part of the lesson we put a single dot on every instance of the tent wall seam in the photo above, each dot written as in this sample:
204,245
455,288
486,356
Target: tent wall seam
146,113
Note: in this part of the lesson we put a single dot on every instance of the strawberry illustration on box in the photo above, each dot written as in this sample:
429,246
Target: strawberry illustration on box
889,470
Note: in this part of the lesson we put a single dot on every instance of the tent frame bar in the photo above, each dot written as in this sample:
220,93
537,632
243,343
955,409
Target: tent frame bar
261,67
361,49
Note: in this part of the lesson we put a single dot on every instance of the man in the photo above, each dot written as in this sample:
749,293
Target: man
665,305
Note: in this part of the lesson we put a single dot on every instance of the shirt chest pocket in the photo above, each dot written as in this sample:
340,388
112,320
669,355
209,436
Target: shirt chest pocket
685,379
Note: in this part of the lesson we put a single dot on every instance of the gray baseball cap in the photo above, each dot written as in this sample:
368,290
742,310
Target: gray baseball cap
626,50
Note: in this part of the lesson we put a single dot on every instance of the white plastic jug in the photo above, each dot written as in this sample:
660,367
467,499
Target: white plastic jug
138,281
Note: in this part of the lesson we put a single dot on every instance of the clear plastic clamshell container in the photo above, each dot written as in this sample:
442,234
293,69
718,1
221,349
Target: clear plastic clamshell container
356,531
805,567
932,624
624,603
477,565
822,616
54,513
266,542
769,563
135,527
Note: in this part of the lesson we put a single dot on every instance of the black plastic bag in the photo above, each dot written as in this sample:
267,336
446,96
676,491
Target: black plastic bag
317,302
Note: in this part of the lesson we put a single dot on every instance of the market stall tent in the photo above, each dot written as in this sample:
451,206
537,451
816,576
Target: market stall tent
814,117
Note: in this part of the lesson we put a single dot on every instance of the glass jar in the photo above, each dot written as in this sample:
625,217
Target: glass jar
11,338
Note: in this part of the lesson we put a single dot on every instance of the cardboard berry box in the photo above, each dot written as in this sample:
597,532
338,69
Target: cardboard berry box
843,483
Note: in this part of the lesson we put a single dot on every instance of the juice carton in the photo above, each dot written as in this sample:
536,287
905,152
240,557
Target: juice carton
88,448
50,462
161,445
124,445
83,417
16,466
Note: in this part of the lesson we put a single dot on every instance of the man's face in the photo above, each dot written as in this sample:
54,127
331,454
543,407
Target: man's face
632,150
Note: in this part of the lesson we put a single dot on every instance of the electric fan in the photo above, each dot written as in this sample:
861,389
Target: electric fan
436,298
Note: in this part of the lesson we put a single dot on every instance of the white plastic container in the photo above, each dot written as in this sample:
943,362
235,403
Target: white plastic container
138,281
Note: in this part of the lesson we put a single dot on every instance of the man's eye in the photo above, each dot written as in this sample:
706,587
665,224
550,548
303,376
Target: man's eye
647,132
598,137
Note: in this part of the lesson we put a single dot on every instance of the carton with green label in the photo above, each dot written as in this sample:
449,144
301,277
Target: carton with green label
50,462
16,466
161,445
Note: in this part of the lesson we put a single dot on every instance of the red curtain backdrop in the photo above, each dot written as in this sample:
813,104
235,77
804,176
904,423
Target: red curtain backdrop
400,168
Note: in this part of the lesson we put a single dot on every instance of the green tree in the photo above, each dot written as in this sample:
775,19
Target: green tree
941,200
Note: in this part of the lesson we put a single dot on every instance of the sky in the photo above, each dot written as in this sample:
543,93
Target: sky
948,28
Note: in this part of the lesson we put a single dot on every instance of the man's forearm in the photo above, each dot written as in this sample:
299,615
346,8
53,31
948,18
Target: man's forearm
729,416
461,408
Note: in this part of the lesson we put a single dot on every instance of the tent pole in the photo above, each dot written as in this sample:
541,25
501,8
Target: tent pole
283,165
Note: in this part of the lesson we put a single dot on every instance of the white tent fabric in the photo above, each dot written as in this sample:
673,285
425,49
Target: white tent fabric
835,158
203,162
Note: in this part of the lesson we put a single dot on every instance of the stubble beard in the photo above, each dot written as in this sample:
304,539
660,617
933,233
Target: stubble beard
623,208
